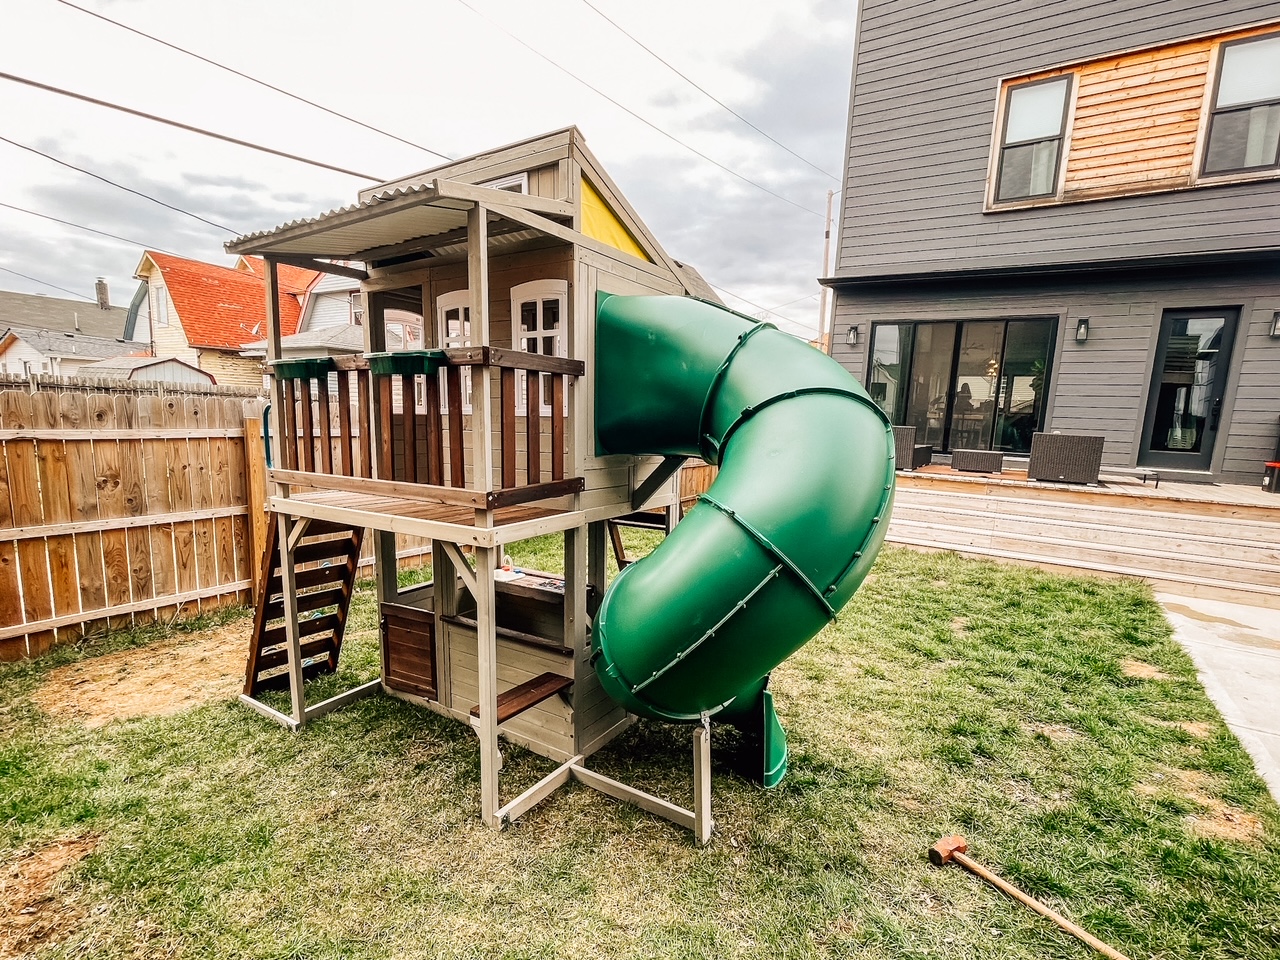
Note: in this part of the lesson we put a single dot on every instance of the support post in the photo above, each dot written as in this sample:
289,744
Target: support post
289,587
702,822
274,351
487,660
481,377
446,596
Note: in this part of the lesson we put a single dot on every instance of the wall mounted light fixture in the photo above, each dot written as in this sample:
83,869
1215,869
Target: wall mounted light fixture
1082,330
851,336
1275,325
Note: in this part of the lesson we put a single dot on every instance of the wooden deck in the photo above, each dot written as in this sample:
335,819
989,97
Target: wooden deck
438,521
1205,540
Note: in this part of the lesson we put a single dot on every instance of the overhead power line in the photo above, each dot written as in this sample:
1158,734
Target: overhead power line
261,83
119,186
738,296
648,123
81,226
706,93
188,127
51,286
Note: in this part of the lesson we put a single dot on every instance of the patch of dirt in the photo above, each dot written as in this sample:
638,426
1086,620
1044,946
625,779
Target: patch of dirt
1057,732
960,626
1216,820
1142,671
1200,729
152,681
30,915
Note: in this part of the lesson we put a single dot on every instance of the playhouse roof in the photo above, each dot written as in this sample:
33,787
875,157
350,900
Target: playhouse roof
425,214
222,308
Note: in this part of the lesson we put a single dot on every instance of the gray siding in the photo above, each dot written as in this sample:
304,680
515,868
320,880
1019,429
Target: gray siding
926,79
1101,387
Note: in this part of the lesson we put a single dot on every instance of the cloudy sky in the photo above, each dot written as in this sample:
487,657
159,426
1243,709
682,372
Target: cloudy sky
447,75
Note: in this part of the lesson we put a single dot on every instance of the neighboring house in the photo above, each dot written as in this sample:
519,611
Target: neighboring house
149,369
41,334
1066,217
203,314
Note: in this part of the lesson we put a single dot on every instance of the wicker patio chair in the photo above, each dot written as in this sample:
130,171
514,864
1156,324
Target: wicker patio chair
1065,457
908,454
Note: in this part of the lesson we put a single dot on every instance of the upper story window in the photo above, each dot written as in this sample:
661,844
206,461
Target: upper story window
1244,127
1035,117
162,305
538,326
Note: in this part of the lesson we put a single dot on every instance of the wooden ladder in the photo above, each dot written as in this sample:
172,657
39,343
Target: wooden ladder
326,560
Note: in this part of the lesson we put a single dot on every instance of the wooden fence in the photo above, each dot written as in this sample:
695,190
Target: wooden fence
123,503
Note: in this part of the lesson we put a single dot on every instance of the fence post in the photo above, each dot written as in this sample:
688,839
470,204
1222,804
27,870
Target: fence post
256,468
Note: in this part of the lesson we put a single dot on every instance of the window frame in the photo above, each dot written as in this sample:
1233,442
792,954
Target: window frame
1212,112
161,316
999,144
459,300
539,291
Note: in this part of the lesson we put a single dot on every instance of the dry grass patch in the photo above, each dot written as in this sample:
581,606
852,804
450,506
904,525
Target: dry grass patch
1142,671
30,912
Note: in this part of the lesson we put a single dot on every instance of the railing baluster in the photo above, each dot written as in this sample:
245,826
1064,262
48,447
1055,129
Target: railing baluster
533,428
344,422
324,432
288,443
386,445
457,463
435,430
365,423
508,378
306,433
557,427
409,409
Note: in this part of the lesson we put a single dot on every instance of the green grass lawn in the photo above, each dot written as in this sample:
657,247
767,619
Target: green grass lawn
1052,720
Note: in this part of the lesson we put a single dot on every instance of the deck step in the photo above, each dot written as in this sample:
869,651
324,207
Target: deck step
1182,545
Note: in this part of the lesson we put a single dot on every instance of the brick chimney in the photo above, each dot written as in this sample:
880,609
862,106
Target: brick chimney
100,288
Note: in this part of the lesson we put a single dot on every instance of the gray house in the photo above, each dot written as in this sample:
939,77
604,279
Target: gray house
1066,216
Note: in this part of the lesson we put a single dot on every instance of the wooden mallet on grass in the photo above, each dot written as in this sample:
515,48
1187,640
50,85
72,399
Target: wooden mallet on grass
953,848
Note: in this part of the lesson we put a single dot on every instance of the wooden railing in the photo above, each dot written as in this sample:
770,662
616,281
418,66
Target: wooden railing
422,443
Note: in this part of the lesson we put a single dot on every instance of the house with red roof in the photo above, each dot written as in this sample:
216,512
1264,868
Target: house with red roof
204,314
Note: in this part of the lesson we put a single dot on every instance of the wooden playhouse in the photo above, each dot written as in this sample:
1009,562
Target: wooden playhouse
480,435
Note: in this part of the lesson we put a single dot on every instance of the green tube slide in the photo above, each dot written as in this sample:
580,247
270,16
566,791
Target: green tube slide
780,541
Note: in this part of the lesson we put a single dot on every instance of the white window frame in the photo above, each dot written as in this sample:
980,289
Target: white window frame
998,144
539,291
162,305
459,300
516,183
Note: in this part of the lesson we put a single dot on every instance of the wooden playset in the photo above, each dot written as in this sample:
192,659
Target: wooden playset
486,433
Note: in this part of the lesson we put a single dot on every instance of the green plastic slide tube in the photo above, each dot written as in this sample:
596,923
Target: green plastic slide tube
780,541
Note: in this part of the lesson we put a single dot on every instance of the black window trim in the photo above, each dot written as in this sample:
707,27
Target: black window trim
1215,112
1002,143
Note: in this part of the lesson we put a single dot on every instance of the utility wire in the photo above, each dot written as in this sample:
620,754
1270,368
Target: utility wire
81,226
190,129
648,123
261,83
120,186
46,283
738,296
710,96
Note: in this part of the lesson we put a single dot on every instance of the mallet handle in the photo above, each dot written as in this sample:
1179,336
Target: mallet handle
1038,907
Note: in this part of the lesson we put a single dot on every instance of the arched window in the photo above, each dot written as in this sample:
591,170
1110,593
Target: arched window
453,321
539,324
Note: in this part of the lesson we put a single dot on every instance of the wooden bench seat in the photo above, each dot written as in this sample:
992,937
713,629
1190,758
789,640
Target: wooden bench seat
521,697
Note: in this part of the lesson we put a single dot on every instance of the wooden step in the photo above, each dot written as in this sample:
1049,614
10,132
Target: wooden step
520,698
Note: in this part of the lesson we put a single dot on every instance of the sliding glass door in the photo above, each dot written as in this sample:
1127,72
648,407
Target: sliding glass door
974,384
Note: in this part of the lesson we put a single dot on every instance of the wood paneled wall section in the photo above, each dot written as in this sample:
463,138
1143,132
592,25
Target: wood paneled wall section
1136,122
117,509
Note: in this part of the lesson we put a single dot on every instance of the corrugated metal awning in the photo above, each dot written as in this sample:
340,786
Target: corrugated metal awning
391,218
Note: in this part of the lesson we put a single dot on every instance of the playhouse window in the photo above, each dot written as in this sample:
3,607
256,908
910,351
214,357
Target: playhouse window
538,310
453,316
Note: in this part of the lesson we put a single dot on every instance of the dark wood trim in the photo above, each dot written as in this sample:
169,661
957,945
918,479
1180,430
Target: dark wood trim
535,491
519,360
